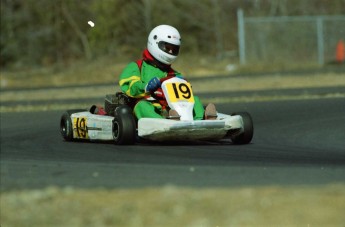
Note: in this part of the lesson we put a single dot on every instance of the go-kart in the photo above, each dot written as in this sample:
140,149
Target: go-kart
121,126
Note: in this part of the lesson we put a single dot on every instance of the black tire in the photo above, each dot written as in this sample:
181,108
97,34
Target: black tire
247,135
124,127
66,127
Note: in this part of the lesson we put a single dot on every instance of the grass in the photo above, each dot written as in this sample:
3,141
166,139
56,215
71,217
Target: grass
106,70
99,71
175,206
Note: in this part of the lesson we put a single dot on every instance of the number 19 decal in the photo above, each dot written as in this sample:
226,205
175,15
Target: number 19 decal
80,128
180,92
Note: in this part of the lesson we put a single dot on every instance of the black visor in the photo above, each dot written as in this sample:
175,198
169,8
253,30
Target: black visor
169,48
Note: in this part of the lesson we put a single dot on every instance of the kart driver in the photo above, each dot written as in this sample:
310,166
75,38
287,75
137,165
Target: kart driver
141,79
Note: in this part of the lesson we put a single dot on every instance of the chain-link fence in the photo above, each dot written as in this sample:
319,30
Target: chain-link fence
299,39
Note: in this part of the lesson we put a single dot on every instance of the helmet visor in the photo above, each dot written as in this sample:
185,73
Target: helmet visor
169,48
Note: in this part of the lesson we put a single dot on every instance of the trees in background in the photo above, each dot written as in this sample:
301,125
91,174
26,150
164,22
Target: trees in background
43,32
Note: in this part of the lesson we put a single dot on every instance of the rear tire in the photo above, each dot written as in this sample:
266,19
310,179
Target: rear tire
246,136
124,127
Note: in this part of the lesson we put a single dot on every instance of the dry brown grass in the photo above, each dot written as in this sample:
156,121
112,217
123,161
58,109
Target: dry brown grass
107,71
173,206
99,71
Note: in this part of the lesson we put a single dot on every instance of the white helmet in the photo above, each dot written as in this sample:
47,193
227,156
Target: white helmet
164,43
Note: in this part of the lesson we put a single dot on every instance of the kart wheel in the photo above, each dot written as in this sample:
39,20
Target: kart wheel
124,127
246,136
66,127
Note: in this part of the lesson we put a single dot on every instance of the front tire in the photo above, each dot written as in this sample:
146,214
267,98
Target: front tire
246,136
124,127
66,127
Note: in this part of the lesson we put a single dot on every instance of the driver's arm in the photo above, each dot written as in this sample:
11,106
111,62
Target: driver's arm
130,81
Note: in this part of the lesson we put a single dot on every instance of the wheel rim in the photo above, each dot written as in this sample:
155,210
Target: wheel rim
116,130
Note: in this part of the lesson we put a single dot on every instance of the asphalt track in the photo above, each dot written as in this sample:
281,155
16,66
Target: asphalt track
295,143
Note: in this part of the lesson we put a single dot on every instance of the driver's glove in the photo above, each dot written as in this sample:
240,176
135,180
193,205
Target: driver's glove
153,85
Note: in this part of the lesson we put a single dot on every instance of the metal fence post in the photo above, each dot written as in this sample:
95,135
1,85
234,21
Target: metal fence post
319,33
241,37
